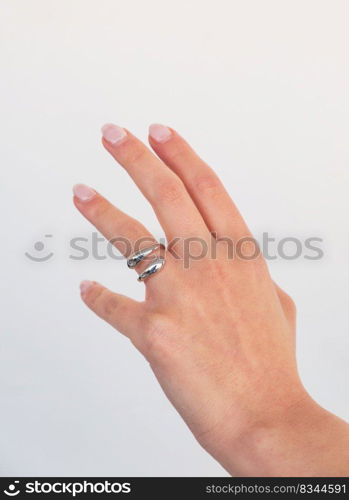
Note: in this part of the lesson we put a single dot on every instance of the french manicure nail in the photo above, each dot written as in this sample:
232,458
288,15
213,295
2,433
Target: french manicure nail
113,133
84,193
84,286
159,133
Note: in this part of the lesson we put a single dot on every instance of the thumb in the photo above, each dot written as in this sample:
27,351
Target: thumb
121,312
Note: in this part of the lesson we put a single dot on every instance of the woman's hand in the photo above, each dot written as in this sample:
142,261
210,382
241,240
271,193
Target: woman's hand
217,332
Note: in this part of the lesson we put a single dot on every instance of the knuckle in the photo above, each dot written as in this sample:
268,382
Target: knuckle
170,191
180,152
94,296
131,229
248,249
103,302
208,183
133,152
99,209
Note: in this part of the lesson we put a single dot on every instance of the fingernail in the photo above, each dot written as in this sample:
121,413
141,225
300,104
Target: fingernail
113,133
84,286
159,133
84,193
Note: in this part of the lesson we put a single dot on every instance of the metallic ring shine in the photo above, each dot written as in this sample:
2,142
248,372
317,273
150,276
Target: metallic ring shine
156,266
137,257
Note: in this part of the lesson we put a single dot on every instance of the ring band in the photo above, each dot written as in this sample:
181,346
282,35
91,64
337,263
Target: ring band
137,257
154,267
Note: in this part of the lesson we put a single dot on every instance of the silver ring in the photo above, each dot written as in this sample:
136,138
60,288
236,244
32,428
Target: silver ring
137,257
156,266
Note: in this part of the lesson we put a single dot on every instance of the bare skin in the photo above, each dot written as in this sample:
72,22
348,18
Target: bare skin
219,335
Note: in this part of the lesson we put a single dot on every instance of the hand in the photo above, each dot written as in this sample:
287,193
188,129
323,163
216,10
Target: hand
219,334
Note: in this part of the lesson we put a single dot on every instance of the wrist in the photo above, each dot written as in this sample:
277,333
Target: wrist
284,443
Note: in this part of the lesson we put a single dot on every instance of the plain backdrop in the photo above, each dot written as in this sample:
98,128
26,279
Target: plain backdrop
260,89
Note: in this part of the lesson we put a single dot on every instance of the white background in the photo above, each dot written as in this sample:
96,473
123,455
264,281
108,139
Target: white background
260,88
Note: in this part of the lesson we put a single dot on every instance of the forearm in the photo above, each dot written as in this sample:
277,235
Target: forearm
307,441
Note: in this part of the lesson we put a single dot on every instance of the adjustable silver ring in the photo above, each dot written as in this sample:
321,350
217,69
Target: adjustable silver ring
137,257
156,266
